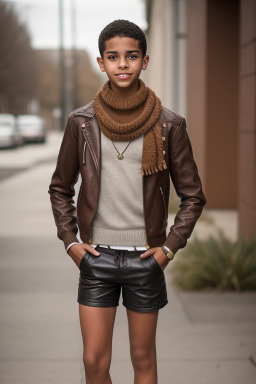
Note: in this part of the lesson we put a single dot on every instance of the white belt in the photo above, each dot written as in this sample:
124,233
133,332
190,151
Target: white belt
126,248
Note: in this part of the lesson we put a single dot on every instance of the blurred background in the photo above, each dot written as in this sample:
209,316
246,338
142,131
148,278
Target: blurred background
202,66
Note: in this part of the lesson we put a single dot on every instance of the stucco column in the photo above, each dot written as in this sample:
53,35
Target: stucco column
212,96
247,120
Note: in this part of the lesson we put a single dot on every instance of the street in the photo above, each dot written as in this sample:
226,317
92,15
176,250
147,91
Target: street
202,338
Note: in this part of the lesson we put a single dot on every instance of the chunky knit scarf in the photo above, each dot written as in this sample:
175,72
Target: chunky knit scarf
126,118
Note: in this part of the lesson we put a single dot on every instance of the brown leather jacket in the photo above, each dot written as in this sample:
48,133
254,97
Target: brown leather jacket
80,151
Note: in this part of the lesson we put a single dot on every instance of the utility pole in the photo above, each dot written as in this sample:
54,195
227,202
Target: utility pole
74,55
70,63
62,69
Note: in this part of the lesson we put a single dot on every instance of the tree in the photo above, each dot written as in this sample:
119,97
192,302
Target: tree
18,70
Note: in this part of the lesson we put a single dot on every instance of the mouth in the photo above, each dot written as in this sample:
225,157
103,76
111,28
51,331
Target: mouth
123,75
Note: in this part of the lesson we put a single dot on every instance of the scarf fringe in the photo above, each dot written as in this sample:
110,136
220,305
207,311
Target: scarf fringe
151,169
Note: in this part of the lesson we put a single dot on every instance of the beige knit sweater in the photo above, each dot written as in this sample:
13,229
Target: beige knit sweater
120,219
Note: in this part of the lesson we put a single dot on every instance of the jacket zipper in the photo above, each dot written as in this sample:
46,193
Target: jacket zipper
90,240
147,244
79,196
85,143
162,194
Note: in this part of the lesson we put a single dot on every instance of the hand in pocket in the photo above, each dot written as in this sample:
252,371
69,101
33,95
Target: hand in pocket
77,251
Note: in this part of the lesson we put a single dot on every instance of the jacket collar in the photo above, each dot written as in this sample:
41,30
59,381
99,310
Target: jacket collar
91,132
86,111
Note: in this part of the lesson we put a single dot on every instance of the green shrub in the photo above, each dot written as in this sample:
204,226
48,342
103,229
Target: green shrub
216,263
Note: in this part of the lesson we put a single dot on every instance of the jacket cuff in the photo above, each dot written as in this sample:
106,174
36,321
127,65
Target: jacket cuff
173,242
70,245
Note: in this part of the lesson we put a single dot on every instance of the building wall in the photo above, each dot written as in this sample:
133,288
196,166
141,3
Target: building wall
247,119
196,82
212,96
166,73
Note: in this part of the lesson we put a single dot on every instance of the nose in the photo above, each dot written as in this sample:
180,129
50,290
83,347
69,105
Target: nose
123,63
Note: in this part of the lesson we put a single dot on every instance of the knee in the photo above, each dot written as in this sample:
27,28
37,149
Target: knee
142,358
94,364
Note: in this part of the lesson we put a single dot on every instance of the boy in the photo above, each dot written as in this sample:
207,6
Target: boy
126,146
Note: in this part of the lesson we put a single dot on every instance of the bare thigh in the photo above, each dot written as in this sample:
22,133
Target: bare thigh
97,325
142,333
142,329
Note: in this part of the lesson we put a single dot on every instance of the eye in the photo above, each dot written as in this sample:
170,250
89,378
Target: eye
112,57
133,57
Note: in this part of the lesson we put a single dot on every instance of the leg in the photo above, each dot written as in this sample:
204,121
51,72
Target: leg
97,325
142,334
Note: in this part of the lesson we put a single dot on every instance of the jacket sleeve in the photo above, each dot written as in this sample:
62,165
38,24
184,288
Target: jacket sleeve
188,187
61,187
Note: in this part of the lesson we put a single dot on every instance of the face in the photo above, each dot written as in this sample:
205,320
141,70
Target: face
122,61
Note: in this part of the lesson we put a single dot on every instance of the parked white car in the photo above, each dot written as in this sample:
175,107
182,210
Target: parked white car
9,133
32,128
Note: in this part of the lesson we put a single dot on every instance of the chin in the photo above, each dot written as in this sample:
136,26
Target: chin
123,83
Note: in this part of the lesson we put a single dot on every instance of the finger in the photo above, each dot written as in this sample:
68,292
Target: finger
93,250
147,253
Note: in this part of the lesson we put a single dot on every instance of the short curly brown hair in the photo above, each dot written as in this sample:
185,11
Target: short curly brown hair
122,28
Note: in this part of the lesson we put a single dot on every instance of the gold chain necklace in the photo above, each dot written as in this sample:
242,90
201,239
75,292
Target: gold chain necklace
120,156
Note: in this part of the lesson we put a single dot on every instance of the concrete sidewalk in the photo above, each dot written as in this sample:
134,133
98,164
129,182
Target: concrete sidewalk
202,338
17,160
31,154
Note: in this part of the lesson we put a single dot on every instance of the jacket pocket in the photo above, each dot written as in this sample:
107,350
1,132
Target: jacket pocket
84,151
163,198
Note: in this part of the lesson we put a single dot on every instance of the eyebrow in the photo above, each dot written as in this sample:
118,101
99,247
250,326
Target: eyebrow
134,50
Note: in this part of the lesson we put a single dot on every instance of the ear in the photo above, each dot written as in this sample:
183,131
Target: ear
101,64
145,62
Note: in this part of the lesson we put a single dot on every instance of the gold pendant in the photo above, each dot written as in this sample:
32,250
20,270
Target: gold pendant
120,156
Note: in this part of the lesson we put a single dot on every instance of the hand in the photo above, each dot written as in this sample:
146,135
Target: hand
77,251
159,255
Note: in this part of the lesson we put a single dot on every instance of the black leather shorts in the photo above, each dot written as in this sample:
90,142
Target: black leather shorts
101,278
